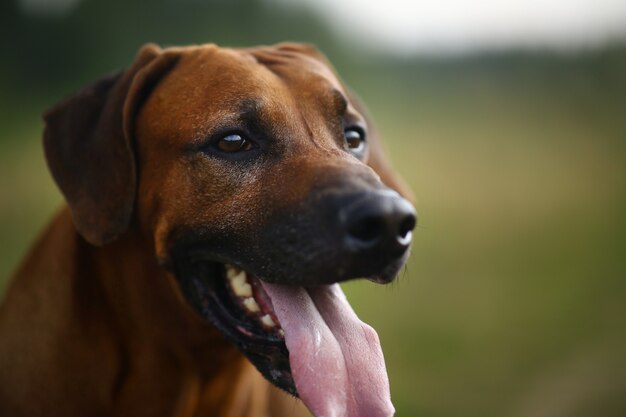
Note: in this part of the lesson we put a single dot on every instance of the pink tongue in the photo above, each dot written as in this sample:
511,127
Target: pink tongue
336,359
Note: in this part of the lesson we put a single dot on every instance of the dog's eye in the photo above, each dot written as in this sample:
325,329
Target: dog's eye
355,139
233,143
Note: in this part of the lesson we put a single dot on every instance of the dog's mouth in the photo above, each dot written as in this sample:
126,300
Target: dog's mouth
306,340
235,302
250,297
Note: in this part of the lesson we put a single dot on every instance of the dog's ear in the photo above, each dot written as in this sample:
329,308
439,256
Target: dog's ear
89,147
377,157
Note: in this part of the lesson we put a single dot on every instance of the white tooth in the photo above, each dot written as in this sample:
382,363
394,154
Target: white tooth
231,271
240,285
267,320
251,305
281,332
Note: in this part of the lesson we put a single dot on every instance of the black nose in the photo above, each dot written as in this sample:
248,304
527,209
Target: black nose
378,222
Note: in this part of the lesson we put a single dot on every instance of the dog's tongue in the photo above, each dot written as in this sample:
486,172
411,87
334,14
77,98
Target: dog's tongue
336,360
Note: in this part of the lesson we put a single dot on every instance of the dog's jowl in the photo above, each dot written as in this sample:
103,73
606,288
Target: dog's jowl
215,198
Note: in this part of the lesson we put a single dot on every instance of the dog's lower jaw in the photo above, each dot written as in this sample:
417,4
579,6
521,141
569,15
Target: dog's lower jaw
205,286
315,346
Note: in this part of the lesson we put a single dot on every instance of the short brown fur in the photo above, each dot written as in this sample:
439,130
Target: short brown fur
93,324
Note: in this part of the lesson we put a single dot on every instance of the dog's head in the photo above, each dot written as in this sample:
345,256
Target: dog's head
260,182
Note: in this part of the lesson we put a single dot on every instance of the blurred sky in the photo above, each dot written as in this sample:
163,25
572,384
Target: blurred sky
443,26
453,26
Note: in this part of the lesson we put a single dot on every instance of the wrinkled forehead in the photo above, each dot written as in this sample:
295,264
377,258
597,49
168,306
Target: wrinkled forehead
295,68
212,85
225,78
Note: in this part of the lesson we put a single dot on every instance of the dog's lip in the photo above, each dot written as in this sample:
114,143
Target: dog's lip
251,299
205,285
233,313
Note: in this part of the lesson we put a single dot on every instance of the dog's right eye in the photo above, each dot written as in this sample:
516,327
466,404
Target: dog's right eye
355,140
233,142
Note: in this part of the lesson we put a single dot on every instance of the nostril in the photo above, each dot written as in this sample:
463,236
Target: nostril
367,230
404,231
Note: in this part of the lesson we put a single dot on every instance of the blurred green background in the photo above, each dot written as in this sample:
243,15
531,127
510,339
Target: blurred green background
513,303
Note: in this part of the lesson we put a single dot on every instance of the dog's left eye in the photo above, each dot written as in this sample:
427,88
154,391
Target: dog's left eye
355,139
233,143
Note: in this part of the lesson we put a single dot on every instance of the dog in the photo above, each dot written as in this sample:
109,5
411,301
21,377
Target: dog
215,198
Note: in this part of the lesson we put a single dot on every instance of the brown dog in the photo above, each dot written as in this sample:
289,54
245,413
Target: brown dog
215,198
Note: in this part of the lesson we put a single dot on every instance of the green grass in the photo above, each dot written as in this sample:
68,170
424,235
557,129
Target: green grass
513,302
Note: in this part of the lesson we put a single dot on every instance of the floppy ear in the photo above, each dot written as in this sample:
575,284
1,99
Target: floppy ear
377,157
89,149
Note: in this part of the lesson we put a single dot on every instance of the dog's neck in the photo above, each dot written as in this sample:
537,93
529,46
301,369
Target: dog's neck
127,312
